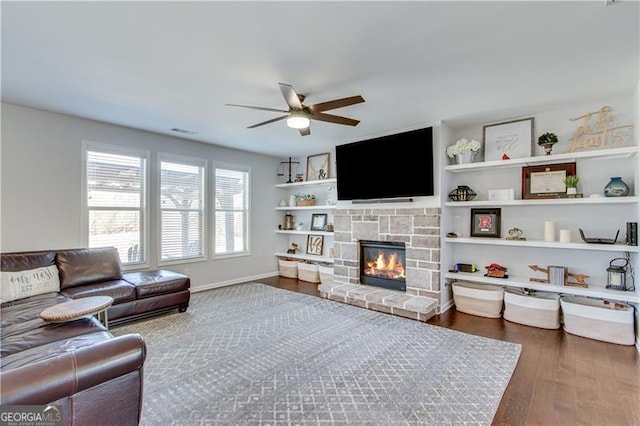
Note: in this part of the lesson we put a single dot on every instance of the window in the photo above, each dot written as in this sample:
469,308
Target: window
231,210
115,185
182,208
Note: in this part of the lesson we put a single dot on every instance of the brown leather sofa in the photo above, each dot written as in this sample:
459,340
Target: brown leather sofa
94,377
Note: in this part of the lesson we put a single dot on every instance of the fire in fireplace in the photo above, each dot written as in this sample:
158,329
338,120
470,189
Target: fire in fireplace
382,264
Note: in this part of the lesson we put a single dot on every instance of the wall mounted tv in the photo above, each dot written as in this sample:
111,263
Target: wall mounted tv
387,167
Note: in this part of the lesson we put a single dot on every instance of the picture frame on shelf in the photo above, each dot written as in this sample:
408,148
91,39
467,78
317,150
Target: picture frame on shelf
314,244
485,223
546,181
318,221
508,140
318,166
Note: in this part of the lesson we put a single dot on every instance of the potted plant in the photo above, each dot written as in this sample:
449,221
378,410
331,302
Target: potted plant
572,184
464,150
305,199
547,140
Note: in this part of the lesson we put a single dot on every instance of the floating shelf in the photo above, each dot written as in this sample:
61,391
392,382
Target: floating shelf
523,282
624,152
322,207
544,244
294,232
305,183
321,259
547,202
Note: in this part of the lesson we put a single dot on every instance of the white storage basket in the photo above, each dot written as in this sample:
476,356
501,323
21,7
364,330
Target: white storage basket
598,319
478,299
538,309
308,272
288,268
326,274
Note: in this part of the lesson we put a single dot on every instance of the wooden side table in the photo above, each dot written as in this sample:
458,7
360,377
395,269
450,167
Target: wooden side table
78,308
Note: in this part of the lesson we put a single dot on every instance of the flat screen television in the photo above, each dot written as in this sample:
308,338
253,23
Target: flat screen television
393,166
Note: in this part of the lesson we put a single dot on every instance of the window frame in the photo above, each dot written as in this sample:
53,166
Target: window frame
247,210
190,161
93,146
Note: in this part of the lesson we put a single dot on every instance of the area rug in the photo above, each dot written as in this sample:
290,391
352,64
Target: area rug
255,354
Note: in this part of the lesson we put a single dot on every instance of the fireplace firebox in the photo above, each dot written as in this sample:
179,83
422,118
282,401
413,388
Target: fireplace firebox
382,264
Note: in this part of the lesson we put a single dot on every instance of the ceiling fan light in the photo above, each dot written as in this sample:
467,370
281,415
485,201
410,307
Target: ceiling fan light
298,122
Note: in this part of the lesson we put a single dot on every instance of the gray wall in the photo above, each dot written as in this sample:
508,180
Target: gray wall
41,205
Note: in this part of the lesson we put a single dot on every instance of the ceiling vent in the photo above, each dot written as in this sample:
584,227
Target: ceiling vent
183,131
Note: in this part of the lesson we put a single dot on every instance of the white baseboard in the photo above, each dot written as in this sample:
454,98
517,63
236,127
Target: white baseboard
446,307
211,286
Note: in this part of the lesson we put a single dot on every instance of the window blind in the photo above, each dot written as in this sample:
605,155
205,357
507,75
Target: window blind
231,210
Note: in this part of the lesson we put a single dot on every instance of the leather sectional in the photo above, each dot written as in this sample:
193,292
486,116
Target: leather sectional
94,377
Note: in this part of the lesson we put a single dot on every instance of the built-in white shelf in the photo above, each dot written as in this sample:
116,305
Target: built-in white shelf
523,282
322,207
546,202
544,244
295,232
571,156
307,182
311,257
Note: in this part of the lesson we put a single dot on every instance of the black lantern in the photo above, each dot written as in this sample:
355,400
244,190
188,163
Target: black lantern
617,274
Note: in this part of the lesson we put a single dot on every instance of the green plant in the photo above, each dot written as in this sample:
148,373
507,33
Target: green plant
572,181
548,139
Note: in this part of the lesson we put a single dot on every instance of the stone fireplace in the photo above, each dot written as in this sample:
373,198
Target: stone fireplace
417,230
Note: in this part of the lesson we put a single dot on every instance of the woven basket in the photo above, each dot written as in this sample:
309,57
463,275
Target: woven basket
288,268
306,202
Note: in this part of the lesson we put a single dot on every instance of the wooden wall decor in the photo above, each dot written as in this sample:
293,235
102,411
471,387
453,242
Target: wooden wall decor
596,131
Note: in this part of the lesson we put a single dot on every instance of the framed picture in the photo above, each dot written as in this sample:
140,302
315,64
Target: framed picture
314,244
318,221
511,139
318,167
485,223
546,181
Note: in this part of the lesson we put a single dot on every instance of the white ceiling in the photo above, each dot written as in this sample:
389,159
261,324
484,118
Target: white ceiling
159,65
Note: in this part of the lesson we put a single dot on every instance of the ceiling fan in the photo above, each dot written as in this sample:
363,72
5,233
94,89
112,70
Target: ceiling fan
298,115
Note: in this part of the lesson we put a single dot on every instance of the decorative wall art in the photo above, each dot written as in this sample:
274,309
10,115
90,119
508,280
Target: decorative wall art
485,223
318,221
597,131
314,244
511,139
546,181
318,167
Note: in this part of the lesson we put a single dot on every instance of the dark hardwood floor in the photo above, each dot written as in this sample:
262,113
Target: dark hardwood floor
560,379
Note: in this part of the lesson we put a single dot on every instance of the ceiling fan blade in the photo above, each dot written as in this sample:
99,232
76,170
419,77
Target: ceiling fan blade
330,118
290,96
336,103
256,107
273,120
305,131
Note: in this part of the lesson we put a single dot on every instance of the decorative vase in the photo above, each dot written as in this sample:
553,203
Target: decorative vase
572,191
548,147
292,200
616,188
465,157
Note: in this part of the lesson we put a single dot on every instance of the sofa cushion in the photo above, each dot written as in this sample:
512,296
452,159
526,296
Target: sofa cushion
120,290
28,309
32,282
21,261
153,283
88,266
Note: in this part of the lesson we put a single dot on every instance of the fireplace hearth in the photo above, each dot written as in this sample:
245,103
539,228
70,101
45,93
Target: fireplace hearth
382,264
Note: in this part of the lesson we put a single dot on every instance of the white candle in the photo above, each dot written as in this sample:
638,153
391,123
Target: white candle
565,236
549,231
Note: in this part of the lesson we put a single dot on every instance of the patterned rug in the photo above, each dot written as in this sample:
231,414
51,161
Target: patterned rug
254,354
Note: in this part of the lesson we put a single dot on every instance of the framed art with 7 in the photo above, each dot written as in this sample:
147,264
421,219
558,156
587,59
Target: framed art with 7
485,223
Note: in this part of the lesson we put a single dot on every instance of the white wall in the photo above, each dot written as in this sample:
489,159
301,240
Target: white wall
41,188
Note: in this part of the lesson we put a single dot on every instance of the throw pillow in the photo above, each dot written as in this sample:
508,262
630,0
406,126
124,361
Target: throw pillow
21,284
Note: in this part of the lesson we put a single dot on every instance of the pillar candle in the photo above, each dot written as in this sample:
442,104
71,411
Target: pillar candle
549,231
565,236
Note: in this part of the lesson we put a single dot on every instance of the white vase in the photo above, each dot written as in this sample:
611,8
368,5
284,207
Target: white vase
465,157
572,191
